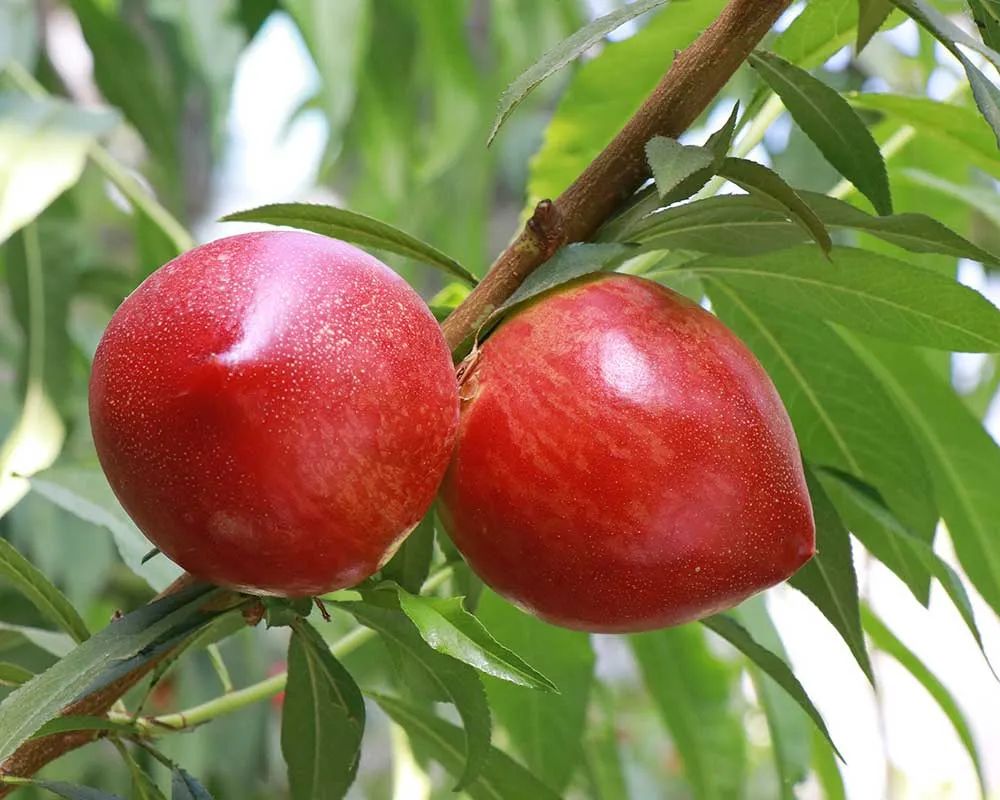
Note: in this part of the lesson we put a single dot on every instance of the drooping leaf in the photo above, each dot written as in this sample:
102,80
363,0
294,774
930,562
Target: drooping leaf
766,183
607,90
963,459
985,93
352,227
448,677
836,129
871,15
184,786
789,725
827,772
143,786
411,563
43,148
844,418
866,514
323,719
545,729
954,125
126,643
869,292
829,580
448,628
84,492
691,689
70,724
772,665
562,54
673,163
33,584
986,14
570,262
13,675
885,640
943,29
501,777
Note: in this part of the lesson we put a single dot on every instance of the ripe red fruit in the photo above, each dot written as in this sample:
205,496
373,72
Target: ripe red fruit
275,411
624,463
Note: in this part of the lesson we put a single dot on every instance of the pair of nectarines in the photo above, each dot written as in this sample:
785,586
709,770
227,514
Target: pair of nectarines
276,411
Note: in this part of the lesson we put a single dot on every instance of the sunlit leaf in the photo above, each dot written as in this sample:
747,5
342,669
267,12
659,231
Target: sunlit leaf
351,227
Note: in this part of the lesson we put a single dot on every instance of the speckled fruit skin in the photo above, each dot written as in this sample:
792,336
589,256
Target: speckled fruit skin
624,463
275,411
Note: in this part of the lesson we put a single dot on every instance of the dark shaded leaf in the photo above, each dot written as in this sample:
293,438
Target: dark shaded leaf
70,791
351,226
773,666
826,118
449,678
985,93
829,580
125,643
323,719
764,182
184,786
412,561
501,777
871,15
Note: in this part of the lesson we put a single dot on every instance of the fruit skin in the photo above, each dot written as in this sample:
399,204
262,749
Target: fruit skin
275,411
624,463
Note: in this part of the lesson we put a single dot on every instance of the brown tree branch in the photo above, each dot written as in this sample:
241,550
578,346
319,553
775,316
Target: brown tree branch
692,82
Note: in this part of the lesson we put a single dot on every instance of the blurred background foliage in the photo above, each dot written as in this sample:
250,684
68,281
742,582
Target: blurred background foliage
118,135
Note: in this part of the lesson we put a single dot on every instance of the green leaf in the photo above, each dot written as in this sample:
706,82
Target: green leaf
124,644
607,90
869,292
43,149
450,678
836,129
963,459
772,665
143,786
85,493
885,640
943,29
184,786
562,54
789,725
764,182
823,27
986,14
673,163
985,93
73,723
13,675
70,791
43,595
58,644
448,628
412,561
843,417
501,777
351,227
828,580
691,688
982,201
956,126
827,772
569,263
860,510
323,719
871,15
544,729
